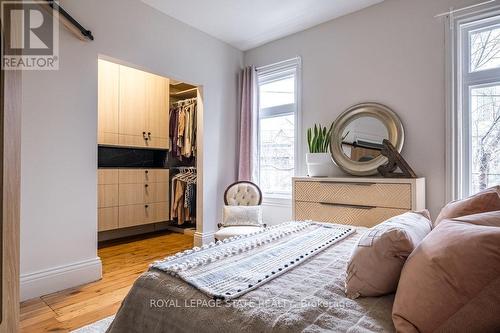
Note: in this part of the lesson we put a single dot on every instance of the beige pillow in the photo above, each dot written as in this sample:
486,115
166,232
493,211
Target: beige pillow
242,216
381,252
485,201
451,282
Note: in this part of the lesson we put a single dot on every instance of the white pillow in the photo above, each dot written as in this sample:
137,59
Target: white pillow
242,215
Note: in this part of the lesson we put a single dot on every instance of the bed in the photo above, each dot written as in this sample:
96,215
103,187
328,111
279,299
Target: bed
308,298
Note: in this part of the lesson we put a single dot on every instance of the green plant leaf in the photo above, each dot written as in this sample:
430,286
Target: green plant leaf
309,139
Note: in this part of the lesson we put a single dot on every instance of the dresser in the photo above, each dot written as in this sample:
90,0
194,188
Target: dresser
132,197
356,201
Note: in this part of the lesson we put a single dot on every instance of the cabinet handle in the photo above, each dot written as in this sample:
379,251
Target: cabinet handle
342,183
146,206
347,205
146,172
146,185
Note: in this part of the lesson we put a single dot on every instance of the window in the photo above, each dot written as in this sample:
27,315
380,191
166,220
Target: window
277,127
478,103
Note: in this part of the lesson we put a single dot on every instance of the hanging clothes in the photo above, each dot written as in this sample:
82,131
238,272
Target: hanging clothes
183,128
178,210
183,193
173,131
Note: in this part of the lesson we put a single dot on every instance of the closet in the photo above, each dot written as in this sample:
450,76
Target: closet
183,136
146,151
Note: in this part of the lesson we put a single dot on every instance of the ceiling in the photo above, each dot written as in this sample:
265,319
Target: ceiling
246,24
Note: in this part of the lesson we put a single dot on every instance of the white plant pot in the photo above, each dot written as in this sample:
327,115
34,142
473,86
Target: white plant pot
320,165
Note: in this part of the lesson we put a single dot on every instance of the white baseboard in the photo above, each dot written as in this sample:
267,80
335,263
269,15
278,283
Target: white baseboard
59,278
203,238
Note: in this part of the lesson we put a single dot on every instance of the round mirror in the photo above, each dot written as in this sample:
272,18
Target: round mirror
357,137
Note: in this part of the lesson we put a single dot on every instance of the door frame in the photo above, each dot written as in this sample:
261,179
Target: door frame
10,166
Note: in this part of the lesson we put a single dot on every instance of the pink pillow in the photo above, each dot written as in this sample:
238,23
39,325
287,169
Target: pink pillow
451,281
381,252
485,201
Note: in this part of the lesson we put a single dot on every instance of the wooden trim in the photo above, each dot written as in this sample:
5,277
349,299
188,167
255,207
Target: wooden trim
242,182
10,139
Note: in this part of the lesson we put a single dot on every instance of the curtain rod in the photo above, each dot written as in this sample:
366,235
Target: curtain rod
453,11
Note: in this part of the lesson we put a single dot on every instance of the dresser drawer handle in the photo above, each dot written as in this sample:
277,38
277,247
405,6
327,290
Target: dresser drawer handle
341,183
347,206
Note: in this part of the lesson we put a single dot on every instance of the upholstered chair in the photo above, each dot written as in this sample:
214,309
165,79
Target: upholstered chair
242,193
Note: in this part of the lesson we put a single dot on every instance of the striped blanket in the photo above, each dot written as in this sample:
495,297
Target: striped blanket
229,269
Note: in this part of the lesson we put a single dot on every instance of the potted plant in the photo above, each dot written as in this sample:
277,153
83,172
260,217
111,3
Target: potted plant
318,160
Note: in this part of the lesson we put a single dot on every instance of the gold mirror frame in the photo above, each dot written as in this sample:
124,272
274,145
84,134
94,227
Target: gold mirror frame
378,111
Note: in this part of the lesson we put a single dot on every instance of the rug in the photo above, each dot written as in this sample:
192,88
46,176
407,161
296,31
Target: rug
98,327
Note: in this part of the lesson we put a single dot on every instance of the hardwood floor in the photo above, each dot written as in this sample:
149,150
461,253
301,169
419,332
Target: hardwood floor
122,264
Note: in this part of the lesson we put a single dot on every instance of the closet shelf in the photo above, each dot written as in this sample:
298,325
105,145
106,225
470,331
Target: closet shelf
185,93
179,86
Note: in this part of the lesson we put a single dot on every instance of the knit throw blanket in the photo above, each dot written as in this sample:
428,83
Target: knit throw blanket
235,266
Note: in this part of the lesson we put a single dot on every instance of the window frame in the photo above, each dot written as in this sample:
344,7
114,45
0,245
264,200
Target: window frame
459,83
267,74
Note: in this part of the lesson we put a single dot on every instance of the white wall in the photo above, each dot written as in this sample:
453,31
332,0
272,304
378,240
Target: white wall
59,148
392,53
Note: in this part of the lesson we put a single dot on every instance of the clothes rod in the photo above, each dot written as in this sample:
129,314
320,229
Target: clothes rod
188,100
184,168
453,11
66,16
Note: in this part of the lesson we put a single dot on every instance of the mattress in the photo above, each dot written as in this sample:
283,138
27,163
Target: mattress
308,298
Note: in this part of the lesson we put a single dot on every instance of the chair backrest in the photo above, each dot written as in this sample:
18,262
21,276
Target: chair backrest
243,193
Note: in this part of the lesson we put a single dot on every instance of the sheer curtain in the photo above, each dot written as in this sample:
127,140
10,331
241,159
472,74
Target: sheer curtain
248,124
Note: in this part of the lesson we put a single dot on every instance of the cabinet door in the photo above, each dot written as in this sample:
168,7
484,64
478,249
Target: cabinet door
133,117
108,102
157,105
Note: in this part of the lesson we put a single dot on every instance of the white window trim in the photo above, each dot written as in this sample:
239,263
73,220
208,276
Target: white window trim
456,134
294,64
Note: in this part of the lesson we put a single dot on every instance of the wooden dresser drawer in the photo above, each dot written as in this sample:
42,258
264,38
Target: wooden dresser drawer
107,195
344,214
107,176
133,215
363,194
156,192
157,212
107,218
132,194
141,176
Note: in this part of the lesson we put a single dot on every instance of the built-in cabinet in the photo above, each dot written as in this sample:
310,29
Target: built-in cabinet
133,107
132,197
